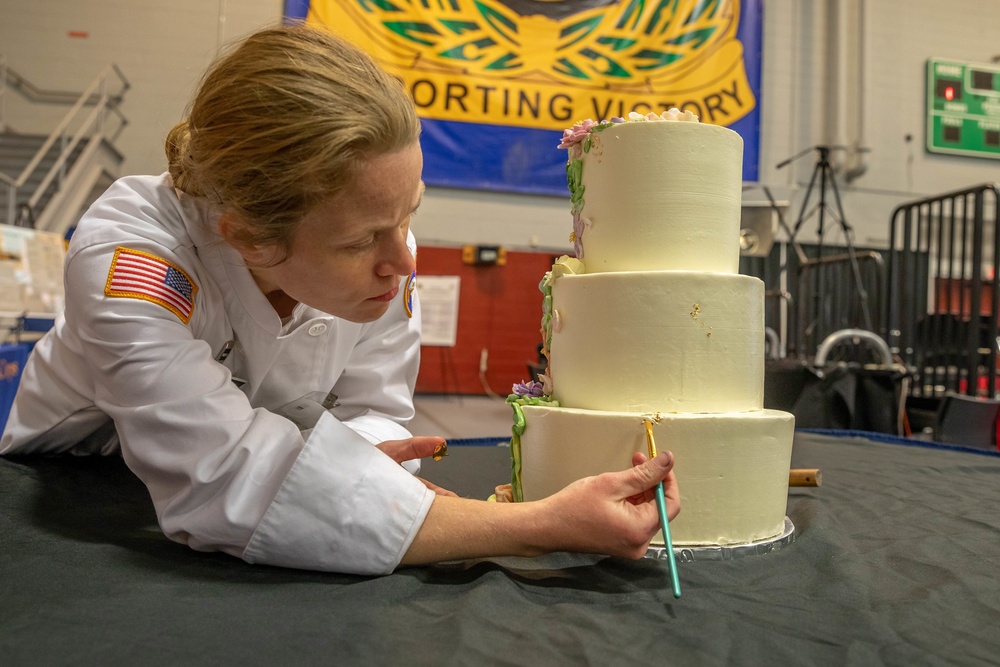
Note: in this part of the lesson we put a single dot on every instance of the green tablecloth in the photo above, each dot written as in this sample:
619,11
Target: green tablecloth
896,561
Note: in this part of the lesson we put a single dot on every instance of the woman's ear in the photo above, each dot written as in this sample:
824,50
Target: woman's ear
234,233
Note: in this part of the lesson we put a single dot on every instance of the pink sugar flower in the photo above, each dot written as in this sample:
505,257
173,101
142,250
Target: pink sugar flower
577,133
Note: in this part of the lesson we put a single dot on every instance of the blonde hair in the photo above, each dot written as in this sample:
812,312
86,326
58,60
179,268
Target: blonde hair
283,122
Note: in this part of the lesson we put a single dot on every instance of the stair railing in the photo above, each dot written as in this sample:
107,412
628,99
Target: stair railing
3,89
8,182
92,126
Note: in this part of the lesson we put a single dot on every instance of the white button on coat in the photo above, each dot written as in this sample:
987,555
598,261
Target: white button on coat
317,329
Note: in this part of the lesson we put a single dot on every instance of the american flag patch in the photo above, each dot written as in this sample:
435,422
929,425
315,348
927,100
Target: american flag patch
140,275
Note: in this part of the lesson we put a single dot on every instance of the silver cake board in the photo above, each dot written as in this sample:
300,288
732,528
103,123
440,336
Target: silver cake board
686,554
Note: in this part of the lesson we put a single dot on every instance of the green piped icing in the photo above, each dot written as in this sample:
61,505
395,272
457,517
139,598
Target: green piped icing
517,430
545,287
574,180
563,266
515,454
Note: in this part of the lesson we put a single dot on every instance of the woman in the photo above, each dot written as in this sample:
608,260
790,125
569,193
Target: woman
243,330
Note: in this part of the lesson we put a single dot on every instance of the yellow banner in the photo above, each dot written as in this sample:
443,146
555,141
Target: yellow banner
478,61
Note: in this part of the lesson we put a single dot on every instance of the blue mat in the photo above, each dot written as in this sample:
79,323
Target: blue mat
504,440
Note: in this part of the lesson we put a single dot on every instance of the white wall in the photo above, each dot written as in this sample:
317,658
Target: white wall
162,48
847,72
808,99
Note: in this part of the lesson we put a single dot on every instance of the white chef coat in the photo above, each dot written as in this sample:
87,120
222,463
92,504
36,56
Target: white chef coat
225,469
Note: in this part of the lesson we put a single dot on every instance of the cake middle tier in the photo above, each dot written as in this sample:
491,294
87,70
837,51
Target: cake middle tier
671,341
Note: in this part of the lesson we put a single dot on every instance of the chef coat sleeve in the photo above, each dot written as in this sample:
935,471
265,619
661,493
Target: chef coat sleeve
223,475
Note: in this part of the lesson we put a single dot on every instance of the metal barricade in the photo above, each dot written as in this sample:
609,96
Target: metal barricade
834,293
942,300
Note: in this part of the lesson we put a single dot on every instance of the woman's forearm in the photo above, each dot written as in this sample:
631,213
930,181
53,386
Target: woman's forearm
457,528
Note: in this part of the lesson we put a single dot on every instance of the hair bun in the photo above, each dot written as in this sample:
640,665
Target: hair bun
179,160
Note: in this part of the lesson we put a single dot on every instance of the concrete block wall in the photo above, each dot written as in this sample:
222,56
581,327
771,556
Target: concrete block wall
835,72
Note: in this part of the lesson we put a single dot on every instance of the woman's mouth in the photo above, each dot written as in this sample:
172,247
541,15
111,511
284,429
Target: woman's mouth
388,296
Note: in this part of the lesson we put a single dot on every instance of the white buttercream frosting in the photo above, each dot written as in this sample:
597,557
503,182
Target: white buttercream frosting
653,319
732,468
670,341
661,197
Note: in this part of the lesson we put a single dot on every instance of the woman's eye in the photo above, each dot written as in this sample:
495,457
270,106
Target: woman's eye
364,245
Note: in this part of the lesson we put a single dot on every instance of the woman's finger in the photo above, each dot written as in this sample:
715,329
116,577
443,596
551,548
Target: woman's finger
419,447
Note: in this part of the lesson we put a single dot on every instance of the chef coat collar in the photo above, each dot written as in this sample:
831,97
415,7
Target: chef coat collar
227,267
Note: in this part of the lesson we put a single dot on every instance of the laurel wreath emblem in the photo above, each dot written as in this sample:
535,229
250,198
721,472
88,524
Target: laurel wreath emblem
627,44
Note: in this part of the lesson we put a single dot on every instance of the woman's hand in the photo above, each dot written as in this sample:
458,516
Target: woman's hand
614,513
419,447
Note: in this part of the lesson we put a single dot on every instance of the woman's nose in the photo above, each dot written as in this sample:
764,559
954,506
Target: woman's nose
399,261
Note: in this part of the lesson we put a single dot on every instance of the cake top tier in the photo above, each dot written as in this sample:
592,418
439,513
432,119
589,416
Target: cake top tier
659,192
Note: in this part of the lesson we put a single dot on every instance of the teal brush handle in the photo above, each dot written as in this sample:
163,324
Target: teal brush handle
661,504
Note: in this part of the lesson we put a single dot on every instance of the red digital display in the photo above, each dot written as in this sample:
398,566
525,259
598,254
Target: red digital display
949,89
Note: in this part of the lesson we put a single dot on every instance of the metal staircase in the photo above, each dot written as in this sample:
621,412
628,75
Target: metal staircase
47,180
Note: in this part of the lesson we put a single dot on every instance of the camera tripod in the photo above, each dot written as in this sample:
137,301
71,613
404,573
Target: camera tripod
823,173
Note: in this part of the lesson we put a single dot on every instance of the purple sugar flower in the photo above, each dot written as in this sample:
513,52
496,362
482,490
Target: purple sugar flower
530,389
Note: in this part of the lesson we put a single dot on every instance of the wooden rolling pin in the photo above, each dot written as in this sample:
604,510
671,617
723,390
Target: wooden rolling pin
805,477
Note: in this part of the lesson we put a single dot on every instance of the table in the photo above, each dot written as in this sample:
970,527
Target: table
896,561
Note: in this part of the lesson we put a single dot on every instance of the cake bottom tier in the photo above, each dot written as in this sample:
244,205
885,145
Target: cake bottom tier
732,468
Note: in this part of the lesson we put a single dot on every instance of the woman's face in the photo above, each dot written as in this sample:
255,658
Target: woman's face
348,254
